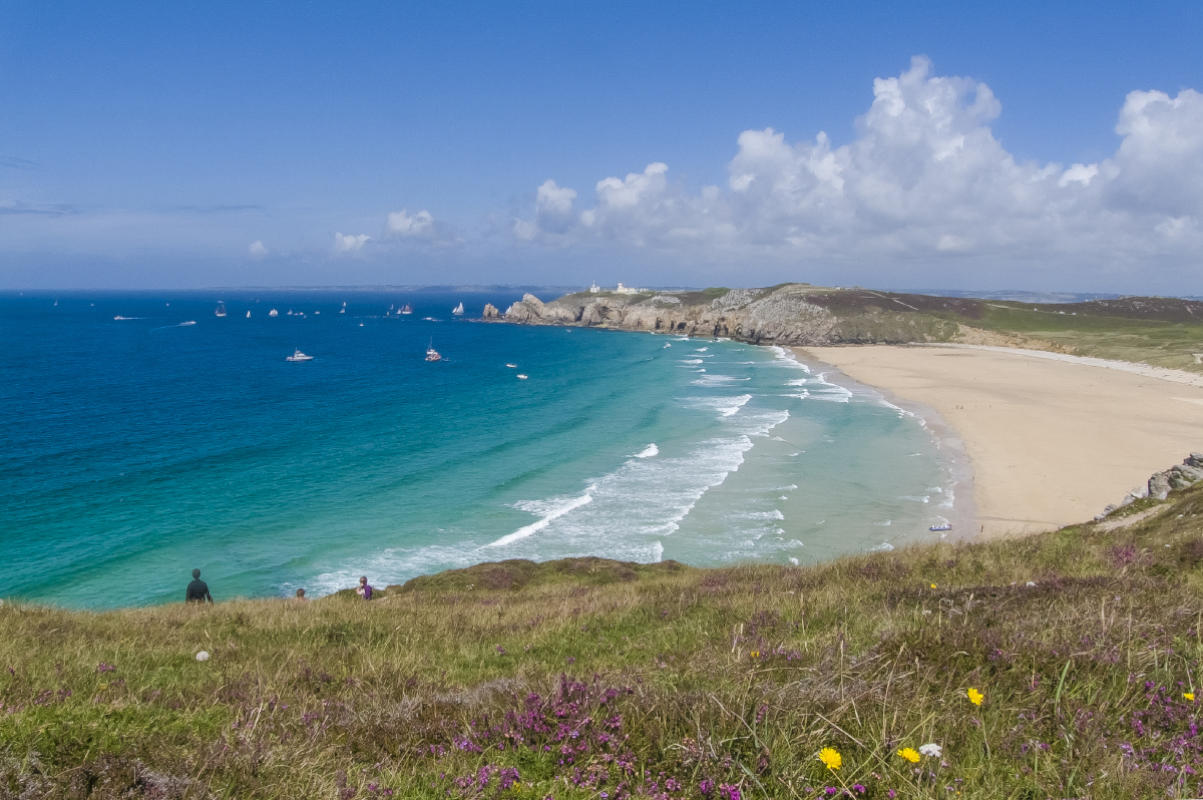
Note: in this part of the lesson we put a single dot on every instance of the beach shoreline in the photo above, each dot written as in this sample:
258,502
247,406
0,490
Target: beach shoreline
962,513
1050,439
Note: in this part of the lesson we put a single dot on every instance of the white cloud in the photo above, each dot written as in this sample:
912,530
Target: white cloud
350,243
257,249
401,223
923,177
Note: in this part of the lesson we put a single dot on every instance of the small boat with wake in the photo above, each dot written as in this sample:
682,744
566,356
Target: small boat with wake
297,355
220,311
431,353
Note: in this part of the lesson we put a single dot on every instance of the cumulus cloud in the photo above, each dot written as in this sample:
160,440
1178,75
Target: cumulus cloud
924,176
402,223
257,249
553,212
350,243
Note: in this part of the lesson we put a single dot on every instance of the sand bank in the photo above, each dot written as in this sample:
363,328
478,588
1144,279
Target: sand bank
1052,439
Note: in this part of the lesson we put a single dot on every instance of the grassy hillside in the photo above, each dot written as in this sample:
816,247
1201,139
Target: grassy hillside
593,679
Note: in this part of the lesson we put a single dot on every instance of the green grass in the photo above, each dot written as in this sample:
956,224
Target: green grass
653,680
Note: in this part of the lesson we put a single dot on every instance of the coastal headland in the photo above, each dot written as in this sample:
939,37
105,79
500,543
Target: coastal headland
1051,441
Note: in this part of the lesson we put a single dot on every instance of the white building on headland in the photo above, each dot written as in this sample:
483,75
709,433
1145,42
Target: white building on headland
620,289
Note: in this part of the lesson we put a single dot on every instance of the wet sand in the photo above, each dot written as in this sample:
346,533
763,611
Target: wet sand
1051,439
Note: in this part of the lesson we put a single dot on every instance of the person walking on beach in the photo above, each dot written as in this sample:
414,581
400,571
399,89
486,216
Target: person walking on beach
363,589
198,590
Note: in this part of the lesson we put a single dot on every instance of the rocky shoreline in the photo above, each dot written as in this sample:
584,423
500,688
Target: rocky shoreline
791,314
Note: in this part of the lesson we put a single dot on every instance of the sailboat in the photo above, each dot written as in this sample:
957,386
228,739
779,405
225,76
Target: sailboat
431,353
343,310
220,310
406,309
458,310
273,313
248,314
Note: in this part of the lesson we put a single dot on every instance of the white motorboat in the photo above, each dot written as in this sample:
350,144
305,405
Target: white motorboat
220,311
431,353
521,376
511,366
297,355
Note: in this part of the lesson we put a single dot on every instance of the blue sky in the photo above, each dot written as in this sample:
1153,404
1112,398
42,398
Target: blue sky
199,144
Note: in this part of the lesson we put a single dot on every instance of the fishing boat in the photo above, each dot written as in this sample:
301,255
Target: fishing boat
220,311
431,353
459,309
297,355
406,309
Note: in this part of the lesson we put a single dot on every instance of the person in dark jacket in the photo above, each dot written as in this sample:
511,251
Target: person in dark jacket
198,590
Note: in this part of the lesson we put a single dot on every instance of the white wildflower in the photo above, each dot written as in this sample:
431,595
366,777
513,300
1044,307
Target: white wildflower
203,655
931,749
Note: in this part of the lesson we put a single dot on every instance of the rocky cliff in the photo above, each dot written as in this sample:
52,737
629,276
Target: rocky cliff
791,314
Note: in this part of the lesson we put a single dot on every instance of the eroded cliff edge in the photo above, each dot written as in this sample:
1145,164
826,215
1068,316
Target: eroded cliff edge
790,314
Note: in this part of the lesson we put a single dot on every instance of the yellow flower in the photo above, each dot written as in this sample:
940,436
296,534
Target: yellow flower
754,654
975,697
910,754
932,585
831,758
1190,696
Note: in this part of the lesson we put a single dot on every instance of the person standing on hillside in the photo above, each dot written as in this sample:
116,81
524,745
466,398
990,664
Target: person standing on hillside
198,590
364,589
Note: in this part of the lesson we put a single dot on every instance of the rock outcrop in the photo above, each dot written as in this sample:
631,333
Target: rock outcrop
1179,476
491,312
791,314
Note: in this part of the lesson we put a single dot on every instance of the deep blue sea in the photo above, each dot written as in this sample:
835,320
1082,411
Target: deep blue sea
132,450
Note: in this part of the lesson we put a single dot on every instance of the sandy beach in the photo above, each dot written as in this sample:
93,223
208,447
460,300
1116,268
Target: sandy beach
1052,439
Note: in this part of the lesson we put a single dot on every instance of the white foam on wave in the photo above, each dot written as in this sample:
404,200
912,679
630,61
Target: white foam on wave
700,349
915,498
648,452
774,514
797,382
715,379
693,361
724,406
884,547
830,392
551,510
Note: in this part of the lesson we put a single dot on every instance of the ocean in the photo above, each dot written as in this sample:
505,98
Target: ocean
141,436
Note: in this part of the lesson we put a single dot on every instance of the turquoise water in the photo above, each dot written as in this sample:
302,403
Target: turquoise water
133,450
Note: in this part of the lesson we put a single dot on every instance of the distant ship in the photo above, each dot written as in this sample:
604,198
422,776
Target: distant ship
221,309
406,309
431,353
458,310
273,313
297,355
